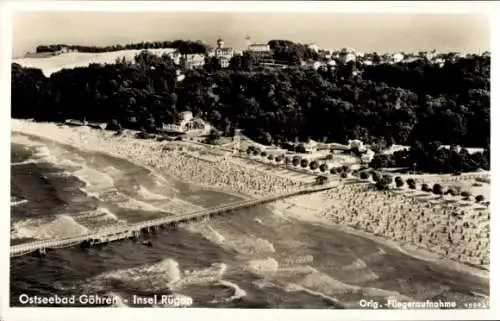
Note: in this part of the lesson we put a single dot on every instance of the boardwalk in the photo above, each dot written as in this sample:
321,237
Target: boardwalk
124,232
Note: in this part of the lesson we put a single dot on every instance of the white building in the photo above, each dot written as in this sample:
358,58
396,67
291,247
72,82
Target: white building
367,157
356,144
397,57
223,54
259,47
189,125
430,55
312,46
331,63
317,64
311,146
439,61
191,61
346,55
175,56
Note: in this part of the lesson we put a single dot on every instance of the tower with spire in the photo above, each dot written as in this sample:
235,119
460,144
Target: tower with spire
223,54
220,43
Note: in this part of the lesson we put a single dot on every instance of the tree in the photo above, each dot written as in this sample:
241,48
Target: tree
296,161
411,183
323,167
364,175
425,188
466,195
437,189
479,198
399,181
313,165
263,154
267,139
333,170
113,125
384,182
304,162
343,175
213,136
376,176
386,103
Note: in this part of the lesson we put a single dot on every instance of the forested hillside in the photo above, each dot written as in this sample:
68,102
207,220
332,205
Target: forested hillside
384,104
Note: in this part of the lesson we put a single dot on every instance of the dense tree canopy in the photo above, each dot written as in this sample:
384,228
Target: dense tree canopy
384,104
291,53
184,47
433,158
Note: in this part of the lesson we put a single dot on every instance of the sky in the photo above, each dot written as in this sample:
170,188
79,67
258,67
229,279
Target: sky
365,32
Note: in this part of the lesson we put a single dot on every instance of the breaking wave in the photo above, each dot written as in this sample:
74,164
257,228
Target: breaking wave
150,196
62,226
16,203
245,245
162,276
94,179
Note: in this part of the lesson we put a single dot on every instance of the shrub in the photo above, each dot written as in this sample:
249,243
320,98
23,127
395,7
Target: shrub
364,175
411,183
437,189
399,181
386,179
375,176
465,194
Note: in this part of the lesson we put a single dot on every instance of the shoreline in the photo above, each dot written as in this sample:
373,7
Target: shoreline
228,177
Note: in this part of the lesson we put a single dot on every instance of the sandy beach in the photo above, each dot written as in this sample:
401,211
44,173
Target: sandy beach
426,226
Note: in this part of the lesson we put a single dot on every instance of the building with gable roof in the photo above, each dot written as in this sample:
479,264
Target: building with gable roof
223,54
